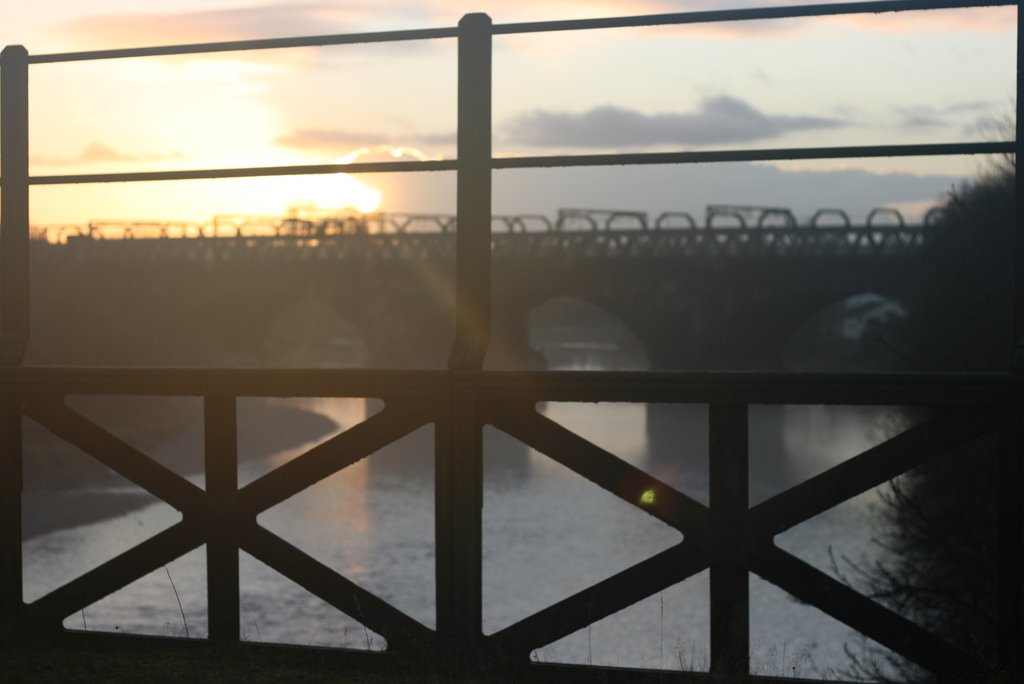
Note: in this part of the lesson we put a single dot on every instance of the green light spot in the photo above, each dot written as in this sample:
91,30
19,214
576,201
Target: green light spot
647,497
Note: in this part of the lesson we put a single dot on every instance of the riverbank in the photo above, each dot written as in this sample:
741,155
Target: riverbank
64,487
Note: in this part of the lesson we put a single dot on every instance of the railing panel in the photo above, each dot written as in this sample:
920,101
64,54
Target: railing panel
728,538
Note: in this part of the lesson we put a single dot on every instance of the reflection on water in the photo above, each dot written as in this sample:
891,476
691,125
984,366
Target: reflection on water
547,534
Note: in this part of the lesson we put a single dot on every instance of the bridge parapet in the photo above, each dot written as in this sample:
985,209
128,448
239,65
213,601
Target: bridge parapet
726,243
325,225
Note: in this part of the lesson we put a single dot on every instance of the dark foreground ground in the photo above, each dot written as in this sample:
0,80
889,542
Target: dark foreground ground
33,662
100,658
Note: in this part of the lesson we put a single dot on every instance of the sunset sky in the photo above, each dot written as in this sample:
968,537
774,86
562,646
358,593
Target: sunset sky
917,77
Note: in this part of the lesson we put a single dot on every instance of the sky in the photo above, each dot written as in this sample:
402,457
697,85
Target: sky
945,76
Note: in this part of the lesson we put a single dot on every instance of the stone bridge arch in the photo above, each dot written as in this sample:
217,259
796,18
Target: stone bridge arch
569,329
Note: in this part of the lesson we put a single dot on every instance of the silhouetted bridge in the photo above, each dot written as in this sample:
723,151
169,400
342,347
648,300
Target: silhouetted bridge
728,231
725,296
726,536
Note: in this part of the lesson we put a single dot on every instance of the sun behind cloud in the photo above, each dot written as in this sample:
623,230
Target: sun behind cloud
335,192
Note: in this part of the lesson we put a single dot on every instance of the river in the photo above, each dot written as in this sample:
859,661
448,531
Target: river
547,534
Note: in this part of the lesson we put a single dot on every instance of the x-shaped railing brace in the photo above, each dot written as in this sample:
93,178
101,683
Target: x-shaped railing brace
747,541
217,518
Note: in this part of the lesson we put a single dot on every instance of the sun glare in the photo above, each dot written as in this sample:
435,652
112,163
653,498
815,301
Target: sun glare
331,192
356,194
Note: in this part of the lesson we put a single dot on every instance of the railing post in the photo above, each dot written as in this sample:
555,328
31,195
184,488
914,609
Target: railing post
473,196
14,243
10,510
221,454
730,583
14,319
458,532
1010,573
1017,276
1010,594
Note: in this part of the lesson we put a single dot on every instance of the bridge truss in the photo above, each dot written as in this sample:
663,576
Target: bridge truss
727,535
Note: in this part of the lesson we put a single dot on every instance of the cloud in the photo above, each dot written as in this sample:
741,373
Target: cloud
721,119
685,187
919,116
930,116
235,23
986,20
989,127
98,153
313,17
338,140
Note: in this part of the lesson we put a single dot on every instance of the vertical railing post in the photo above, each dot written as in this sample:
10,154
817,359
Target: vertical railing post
221,453
10,510
14,243
473,196
730,583
459,436
14,321
1017,276
458,533
1010,573
1011,473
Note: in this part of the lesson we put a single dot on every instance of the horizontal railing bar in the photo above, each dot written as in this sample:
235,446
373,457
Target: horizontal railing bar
923,389
904,389
754,13
239,382
522,27
565,673
779,154
546,161
241,45
251,172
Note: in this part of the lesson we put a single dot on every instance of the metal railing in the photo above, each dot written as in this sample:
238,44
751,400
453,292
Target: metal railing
726,536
